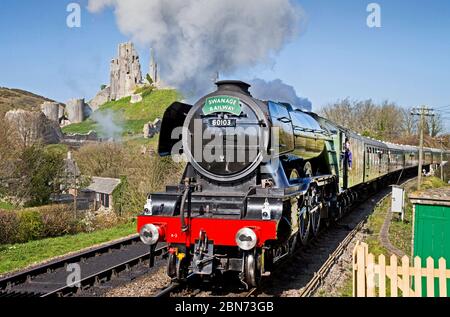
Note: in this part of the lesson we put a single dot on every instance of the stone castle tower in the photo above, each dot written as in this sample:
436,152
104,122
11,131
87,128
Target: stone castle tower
153,70
125,72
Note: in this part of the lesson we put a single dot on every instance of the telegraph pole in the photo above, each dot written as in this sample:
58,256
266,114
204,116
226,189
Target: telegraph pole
441,141
423,112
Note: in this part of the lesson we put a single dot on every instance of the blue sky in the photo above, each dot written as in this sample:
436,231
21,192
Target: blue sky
407,60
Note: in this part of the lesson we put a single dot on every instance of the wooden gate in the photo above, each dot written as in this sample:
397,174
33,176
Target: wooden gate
371,279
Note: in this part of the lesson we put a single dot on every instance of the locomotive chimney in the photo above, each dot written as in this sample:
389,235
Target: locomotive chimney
233,85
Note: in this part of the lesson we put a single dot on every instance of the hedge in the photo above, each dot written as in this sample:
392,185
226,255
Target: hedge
48,222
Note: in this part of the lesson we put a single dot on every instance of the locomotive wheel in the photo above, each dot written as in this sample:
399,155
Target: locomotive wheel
172,266
304,226
315,223
176,269
182,269
252,269
293,245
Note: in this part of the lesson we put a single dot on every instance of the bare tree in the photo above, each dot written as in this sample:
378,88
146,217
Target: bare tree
7,154
435,125
383,121
409,123
340,112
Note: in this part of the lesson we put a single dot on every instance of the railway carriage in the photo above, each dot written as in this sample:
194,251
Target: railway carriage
261,178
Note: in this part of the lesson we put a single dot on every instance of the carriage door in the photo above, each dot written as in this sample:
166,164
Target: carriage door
344,162
340,155
366,164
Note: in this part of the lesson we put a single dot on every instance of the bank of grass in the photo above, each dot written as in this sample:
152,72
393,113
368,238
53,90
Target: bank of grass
80,128
374,224
18,256
6,206
131,117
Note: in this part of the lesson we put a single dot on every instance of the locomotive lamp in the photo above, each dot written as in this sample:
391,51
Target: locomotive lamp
246,239
148,207
150,234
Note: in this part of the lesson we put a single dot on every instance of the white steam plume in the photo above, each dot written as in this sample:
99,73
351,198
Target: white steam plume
195,39
277,90
109,124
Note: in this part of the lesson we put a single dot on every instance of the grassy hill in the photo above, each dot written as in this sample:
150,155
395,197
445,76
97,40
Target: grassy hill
19,99
131,117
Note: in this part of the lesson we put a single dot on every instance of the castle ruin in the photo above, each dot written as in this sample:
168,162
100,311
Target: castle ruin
125,72
125,77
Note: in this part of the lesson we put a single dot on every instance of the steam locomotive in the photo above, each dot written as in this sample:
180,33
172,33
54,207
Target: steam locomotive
261,178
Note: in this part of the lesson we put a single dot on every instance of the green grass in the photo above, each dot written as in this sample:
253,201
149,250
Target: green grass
432,182
80,128
347,288
374,224
6,206
19,256
132,116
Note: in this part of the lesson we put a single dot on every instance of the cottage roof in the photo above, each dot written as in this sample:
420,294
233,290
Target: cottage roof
103,185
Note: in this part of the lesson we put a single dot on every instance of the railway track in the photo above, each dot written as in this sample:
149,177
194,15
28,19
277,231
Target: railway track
95,266
178,287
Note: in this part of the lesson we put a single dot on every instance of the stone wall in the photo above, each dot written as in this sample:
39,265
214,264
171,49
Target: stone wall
75,109
100,99
52,110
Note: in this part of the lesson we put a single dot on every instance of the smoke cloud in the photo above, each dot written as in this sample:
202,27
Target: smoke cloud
195,39
109,125
277,90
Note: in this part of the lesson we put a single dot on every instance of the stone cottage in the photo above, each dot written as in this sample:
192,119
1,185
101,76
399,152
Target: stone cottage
101,192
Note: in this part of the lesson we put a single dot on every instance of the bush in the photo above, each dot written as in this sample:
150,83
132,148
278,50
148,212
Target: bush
51,221
31,226
105,220
58,220
9,226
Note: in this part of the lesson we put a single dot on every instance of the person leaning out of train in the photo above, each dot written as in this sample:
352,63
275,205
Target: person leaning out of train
348,155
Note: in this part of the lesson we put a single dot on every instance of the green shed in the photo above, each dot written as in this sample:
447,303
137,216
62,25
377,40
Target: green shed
431,227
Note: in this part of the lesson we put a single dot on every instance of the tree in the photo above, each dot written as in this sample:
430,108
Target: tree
435,125
8,153
409,123
105,160
37,174
380,121
149,79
